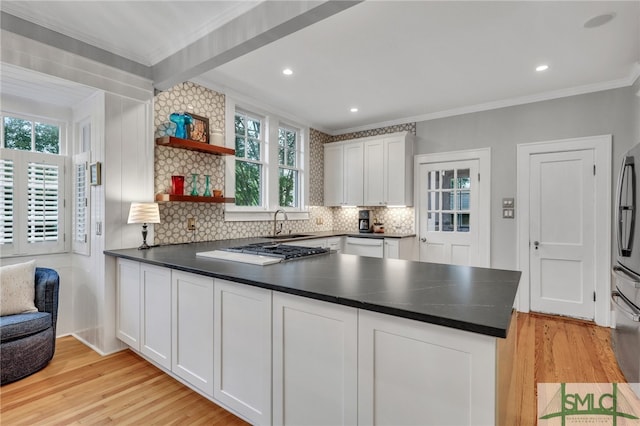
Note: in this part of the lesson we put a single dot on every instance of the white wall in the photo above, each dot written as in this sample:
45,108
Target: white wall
122,141
612,112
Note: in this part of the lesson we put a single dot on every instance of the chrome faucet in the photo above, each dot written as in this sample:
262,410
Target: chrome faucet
275,221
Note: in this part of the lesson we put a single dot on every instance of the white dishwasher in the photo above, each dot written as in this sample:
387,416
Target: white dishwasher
371,247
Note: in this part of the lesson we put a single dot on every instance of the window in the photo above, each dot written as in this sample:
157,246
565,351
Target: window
448,208
288,172
31,187
268,170
249,164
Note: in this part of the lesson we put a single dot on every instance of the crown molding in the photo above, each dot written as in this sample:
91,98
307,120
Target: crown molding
627,81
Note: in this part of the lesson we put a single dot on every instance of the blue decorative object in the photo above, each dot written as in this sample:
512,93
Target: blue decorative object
166,129
181,121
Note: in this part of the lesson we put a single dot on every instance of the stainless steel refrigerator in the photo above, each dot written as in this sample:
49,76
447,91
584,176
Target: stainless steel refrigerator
626,269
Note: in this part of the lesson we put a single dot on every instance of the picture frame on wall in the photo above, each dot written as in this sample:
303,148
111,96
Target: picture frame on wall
95,172
198,130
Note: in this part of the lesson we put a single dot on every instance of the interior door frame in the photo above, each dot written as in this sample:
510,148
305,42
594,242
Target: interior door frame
483,155
602,146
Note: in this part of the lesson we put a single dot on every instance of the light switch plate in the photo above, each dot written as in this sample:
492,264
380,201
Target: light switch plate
507,203
508,214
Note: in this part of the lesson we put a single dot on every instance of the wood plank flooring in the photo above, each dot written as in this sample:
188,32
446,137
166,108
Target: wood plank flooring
81,387
552,349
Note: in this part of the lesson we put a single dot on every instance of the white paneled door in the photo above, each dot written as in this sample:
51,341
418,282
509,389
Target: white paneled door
449,212
562,233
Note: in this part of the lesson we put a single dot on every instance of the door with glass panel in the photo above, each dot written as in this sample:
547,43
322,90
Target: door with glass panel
448,212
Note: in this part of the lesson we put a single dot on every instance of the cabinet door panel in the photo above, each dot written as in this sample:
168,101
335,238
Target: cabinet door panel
333,175
155,336
354,174
395,170
374,173
242,358
128,310
314,369
192,329
416,373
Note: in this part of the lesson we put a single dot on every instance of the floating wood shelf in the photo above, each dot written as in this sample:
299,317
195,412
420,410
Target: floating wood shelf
194,146
193,198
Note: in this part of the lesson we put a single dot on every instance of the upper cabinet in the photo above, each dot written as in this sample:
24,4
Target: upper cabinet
343,174
374,172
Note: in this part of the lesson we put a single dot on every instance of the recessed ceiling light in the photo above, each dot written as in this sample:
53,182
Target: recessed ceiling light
354,109
599,20
542,67
287,71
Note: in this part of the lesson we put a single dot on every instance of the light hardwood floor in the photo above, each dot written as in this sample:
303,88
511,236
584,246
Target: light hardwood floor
81,387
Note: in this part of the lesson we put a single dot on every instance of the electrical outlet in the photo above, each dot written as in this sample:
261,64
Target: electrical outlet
191,224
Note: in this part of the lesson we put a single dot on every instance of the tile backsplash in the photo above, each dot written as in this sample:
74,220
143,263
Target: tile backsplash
210,224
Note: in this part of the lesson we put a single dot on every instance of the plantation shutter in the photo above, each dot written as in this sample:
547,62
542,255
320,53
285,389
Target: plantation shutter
81,194
42,205
6,201
80,232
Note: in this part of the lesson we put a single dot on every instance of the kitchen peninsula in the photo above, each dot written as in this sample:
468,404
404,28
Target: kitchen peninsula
329,339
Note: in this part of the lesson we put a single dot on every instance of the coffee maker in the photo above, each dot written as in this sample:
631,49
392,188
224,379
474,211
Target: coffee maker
364,221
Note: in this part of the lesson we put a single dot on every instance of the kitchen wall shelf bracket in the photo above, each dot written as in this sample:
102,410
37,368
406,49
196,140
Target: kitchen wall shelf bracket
194,146
193,199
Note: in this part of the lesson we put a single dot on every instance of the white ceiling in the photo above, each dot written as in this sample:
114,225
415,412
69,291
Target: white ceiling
143,31
395,61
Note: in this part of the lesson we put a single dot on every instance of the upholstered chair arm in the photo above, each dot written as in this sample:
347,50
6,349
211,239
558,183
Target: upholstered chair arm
47,288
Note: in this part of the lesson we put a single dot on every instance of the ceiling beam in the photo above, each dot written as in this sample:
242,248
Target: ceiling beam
49,37
265,23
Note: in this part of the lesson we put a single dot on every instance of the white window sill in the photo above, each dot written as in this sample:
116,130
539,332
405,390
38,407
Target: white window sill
240,216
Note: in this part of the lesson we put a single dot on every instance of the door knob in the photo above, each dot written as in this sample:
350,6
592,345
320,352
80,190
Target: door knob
536,244
424,240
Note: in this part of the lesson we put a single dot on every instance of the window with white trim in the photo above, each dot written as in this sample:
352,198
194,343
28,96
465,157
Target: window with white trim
250,165
288,167
268,170
31,187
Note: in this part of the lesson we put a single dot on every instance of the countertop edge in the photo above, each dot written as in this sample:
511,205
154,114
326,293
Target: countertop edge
431,319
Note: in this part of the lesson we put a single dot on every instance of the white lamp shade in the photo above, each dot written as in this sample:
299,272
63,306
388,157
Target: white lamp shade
144,213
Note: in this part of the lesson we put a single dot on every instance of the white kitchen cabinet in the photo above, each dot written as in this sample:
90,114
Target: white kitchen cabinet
192,329
155,315
399,248
333,174
343,175
353,174
411,372
374,173
335,244
314,373
388,170
368,247
242,350
128,302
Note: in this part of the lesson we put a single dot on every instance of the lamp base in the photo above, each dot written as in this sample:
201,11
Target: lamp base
144,245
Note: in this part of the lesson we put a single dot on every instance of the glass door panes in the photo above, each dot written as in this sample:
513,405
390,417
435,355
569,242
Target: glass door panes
448,200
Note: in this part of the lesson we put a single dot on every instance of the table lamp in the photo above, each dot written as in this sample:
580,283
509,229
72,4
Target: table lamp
144,213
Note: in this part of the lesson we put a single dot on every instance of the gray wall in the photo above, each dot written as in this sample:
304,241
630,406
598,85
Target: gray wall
614,112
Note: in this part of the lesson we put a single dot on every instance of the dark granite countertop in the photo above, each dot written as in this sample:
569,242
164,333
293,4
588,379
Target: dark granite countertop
478,300
329,234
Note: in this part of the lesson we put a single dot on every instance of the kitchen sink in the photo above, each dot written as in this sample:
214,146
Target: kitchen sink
286,236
